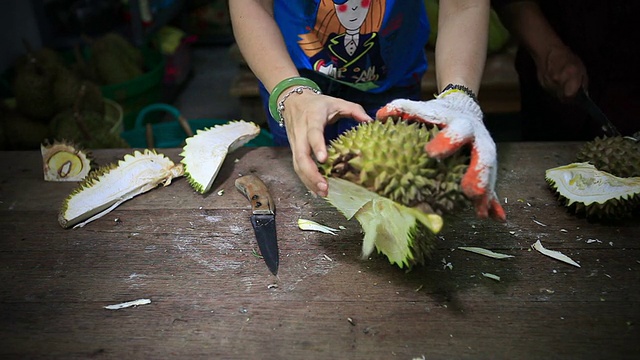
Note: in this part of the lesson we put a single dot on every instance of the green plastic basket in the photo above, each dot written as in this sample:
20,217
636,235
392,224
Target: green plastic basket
170,134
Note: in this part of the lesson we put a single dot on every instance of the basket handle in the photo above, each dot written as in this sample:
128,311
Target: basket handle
163,107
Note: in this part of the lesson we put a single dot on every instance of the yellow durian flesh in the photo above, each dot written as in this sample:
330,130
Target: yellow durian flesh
63,161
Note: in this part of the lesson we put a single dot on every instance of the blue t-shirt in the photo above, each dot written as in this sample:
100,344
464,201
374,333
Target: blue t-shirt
372,45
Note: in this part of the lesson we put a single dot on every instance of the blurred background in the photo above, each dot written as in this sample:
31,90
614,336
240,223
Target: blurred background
178,52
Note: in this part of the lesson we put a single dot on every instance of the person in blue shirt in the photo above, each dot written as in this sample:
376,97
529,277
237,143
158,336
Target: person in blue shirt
326,65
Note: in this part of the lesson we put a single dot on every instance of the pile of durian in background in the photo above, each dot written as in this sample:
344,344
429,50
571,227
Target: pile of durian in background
58,98
603,184
380,174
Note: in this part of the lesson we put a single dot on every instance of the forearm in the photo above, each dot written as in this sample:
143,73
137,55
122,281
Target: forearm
461,48
529,26
260,41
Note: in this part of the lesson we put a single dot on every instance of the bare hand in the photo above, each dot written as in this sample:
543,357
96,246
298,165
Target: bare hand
562,73
305,116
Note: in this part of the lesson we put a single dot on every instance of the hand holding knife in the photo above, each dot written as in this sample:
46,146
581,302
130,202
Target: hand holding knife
263,218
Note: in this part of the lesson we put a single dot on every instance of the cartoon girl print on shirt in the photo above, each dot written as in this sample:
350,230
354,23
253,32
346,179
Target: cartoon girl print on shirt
344,43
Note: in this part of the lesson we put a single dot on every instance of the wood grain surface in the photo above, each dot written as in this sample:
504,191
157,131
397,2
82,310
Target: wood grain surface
193,256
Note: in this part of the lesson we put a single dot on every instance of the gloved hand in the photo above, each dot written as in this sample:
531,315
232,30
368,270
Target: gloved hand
460,119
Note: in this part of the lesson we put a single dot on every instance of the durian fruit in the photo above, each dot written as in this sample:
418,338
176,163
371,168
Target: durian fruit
388,159
32,87
45,56
115,59
124,48
204,152
64,161
69,91
617,155
109,186
86,128
595,194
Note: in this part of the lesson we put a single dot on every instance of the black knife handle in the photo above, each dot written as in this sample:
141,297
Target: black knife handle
257,193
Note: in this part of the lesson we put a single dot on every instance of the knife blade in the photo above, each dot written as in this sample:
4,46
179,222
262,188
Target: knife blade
596,113
263,218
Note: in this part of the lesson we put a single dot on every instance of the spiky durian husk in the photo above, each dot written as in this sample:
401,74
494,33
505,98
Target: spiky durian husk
595,194
388,158
204,153
65,161
109,186
616,155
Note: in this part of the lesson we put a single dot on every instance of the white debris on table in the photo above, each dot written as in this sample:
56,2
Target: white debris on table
485,252
128,304
311,225
554,254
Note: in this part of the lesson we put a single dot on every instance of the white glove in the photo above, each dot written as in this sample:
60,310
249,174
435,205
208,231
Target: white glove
460,118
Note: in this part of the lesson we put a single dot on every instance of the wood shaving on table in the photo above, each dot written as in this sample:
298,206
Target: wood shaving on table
491,276
554,254
538,222
311,225
485,252
128,304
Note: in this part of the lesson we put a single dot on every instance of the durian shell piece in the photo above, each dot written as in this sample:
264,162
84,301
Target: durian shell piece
204,153
595,193
388,226
109,186
64,161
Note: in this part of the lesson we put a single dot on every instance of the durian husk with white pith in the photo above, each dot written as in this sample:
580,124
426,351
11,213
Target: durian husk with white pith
595,194
397,193
65,161
204,153
107,187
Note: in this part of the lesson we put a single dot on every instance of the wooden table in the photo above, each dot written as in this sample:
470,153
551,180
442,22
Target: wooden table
212,298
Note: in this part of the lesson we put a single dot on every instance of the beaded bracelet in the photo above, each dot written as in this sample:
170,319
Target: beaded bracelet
461,88
296,90
282,86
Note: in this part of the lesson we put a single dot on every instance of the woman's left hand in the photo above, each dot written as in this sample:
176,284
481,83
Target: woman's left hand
460,117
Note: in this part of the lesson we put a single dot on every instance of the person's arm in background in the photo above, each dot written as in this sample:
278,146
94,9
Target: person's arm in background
560,71
262,46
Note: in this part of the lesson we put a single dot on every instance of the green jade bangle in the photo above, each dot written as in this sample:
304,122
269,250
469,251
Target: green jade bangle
282,86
